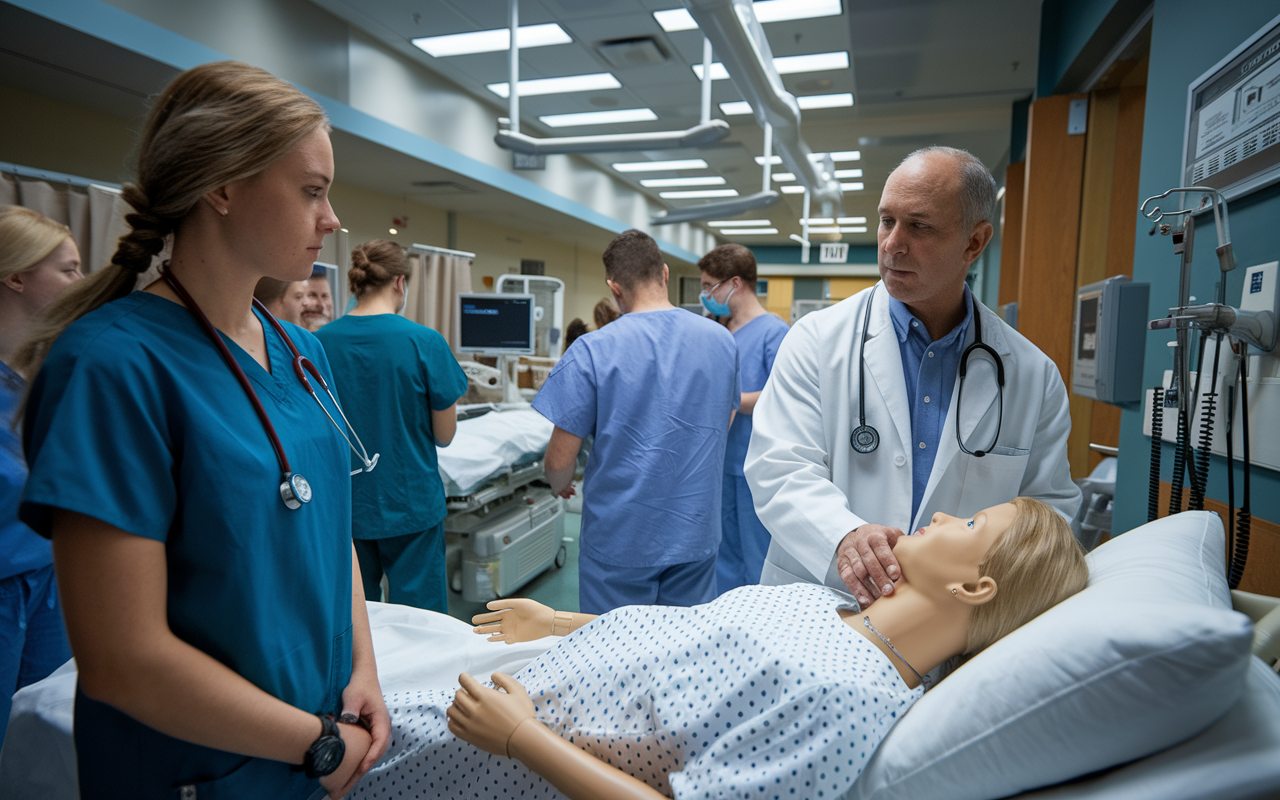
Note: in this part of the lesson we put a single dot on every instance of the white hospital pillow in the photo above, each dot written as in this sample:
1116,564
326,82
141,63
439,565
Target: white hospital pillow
1147,656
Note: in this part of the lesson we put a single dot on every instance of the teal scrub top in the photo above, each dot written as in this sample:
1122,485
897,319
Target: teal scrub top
392,373
135,420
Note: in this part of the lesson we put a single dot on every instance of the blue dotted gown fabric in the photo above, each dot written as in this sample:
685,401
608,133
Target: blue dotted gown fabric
765,692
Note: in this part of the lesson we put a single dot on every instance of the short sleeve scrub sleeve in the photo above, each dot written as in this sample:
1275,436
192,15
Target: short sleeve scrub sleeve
135,420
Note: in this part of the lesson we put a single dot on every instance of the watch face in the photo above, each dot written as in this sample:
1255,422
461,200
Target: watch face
326,755
301,489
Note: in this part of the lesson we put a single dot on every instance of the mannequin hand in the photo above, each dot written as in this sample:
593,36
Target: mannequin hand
866,562
363,698
487,717
514,620
343,779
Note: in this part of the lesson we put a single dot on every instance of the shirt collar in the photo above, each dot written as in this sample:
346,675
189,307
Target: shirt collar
902,319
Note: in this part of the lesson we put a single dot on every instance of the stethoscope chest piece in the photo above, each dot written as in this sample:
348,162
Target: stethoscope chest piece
294,490
864,439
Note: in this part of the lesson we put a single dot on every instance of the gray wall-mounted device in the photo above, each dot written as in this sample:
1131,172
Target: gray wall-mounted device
1109,340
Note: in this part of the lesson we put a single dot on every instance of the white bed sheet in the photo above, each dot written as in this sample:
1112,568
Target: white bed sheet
415,649
487,445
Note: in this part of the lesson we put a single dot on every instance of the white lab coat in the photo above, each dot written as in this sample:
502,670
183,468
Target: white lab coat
811,488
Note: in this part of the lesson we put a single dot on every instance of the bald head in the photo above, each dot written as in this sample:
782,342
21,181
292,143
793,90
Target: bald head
959,172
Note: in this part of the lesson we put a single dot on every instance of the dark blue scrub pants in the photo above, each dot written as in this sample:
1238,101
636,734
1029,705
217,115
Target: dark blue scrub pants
121,759
33,641
603,587
414,565
744,540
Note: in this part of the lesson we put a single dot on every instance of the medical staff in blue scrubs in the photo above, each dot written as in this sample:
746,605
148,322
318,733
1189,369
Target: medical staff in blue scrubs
400,383
38,260
729,290
658,388
202,537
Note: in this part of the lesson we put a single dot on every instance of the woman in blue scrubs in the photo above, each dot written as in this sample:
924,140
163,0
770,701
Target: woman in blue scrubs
401,385
38,260
216,617
729,290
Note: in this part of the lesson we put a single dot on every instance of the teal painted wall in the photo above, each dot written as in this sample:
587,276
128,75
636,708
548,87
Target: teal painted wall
1181,50
1065,28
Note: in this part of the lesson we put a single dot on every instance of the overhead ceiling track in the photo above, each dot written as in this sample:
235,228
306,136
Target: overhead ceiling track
731,28
708,131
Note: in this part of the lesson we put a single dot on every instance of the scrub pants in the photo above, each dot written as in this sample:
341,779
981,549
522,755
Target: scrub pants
744,540
414,565
119,758
33,641
603,587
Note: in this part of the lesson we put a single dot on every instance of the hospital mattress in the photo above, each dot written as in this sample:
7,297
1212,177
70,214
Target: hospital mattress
417,650
491,445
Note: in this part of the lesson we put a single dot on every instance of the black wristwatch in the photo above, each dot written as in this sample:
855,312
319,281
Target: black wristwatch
325,753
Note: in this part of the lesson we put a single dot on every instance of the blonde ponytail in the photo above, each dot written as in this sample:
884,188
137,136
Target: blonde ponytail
214,125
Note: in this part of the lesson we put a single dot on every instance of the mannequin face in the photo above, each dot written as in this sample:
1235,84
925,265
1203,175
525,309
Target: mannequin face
945,555
37,286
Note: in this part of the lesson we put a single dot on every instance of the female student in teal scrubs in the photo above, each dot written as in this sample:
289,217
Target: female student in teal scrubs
216,616
401,383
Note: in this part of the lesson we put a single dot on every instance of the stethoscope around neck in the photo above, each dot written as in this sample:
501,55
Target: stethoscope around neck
865,439
294,489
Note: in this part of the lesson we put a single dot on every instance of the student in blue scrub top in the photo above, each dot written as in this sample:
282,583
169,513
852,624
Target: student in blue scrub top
217,631
729,290
38,259
658,388
401,384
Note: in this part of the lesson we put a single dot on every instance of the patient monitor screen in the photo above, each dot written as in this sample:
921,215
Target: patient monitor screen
495,323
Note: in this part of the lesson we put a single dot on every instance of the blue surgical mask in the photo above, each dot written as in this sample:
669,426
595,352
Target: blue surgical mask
716,308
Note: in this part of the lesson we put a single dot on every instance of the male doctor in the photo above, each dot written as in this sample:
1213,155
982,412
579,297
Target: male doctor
834,513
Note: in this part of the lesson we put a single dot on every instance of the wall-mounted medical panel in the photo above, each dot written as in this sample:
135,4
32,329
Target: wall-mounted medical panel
1109,340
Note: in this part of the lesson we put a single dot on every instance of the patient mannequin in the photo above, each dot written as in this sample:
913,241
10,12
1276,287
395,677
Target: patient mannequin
785,687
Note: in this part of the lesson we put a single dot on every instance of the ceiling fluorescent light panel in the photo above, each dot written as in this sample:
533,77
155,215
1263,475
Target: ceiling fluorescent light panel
698,193
599,117
709,180
569,83
659,166
734,223
745,231
679,19
461,44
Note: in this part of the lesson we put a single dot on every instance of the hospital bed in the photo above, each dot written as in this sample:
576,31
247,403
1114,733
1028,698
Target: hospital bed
1206,724
504,527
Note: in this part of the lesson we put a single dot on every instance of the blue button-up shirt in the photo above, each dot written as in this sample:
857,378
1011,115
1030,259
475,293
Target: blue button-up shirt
930,371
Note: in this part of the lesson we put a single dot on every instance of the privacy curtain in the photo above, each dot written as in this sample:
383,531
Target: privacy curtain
95,214
435,282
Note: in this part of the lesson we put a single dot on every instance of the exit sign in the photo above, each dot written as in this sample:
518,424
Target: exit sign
833,253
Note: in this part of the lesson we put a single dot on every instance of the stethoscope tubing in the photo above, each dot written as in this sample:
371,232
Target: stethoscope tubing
865,438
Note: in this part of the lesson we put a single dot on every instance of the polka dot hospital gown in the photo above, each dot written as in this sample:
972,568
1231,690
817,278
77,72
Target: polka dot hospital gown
763,693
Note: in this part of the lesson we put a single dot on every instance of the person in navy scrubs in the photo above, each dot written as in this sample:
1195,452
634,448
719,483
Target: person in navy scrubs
401,384
729,290
210,593
38,260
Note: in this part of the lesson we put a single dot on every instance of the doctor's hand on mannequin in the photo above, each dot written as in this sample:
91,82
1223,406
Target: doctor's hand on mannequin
866,562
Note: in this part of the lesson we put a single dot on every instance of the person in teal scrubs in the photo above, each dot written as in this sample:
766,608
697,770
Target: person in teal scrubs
401,385
38,260
218,623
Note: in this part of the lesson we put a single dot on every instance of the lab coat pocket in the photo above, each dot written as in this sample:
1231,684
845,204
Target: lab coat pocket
993,479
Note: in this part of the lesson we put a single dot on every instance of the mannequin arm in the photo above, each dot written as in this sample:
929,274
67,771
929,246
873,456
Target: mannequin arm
503,723
515,619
